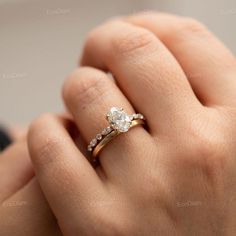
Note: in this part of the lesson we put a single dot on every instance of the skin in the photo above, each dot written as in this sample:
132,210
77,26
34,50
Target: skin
23,207
178,176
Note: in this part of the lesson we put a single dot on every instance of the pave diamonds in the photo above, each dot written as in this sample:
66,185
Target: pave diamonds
118,119
106,130
93,142
90,149
138,116
98,136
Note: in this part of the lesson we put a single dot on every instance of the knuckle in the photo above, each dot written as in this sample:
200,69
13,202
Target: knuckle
210,156
91,38
115,226
206,148
42,144
46,146
124,39
132,41
84,86
38,124
192,26
185,29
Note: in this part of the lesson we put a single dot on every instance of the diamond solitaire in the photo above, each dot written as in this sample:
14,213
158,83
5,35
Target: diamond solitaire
119,120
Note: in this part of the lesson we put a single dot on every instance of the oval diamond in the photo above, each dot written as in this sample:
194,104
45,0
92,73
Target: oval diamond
118,119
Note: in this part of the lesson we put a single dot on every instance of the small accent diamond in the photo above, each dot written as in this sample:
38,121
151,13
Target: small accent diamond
98,136
131,117
140,116
93,142
106,131
90,148
109,129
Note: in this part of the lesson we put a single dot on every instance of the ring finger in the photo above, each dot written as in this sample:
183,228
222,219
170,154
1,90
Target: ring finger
89,94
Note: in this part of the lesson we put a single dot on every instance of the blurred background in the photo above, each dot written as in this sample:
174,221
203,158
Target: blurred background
41,40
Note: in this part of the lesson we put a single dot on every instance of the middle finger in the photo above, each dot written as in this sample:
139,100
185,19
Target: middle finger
145,70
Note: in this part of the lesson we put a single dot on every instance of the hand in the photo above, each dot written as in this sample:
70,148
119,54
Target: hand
23,208
176,178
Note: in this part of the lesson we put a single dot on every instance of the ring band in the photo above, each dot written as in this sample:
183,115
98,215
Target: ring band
120,122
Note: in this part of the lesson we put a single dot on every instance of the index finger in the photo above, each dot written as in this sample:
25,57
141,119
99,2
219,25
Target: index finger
67,179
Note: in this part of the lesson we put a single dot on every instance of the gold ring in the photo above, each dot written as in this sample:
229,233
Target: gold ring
120,122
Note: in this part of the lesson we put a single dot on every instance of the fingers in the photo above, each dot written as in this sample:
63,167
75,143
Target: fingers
209,66
89,94
61,169
29,210
145,70
15,169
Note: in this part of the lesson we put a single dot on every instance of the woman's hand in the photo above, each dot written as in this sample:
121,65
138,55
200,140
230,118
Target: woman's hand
23,208
178,177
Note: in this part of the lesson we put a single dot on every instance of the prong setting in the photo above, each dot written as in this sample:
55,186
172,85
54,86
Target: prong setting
119,121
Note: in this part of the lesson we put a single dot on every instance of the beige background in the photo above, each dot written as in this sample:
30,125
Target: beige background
40,42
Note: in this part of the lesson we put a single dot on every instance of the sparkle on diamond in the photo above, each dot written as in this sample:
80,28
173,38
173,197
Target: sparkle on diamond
118,119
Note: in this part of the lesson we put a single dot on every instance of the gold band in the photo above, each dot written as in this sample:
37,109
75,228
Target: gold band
98,148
